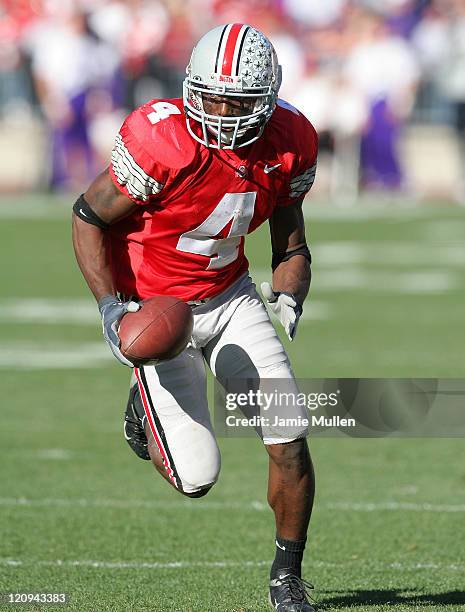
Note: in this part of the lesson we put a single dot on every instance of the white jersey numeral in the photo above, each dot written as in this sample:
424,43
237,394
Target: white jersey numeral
162,110
238,207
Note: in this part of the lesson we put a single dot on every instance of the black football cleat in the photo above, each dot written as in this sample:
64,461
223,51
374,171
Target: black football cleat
288,592
134,424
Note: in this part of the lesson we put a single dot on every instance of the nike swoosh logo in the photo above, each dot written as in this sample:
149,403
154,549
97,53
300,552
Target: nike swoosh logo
83,213
125,434
279,546
267,169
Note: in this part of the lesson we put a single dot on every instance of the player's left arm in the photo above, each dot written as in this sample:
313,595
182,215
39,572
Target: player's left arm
291,258
291,266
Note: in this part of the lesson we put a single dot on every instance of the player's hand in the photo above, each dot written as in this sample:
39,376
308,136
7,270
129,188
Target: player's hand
112,311
285,307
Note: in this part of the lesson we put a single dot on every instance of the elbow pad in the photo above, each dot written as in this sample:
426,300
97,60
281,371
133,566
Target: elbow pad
82,210
281,257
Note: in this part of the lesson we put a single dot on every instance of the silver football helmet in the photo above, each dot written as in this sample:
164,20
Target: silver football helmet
238,62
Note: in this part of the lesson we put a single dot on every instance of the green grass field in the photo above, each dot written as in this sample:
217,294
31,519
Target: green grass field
80,514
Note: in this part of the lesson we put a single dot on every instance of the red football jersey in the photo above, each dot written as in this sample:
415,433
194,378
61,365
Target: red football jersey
198,203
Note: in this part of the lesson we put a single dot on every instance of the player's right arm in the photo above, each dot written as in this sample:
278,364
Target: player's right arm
101,205
149,140
135,178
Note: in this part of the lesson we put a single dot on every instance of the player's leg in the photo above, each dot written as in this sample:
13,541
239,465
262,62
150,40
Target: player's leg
170,401
249,348
291,491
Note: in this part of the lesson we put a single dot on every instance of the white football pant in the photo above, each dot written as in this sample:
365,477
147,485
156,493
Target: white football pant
234,335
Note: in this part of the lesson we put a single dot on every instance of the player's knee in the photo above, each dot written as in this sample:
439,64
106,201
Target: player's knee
197,461
198,477
197,483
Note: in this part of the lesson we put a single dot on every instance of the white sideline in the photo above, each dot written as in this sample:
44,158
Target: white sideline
390,506
110,565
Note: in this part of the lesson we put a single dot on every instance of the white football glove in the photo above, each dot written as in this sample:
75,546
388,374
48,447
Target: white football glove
285,307
112,310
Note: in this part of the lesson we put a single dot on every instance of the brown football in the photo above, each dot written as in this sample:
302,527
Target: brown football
159,330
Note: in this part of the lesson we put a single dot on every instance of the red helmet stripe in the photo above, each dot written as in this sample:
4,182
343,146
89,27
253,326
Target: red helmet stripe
220,47
238,50
229,48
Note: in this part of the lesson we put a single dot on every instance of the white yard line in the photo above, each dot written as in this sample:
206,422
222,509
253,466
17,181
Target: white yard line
112,565
59,454
388,506
29,356
376,281
366,210
133,564
387,254
84,312
79,311
395,507
35,210
46,207
123,503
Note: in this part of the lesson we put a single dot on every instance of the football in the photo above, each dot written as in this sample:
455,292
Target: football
159,330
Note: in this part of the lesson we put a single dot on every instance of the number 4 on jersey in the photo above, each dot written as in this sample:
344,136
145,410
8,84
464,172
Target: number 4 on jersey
162,110
238,207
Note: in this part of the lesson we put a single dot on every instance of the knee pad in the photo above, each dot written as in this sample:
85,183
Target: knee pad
197,479
196,458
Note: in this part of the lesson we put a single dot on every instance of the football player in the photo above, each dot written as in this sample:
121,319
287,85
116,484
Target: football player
188,180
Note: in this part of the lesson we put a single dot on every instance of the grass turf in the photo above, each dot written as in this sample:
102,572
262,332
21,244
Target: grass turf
79,513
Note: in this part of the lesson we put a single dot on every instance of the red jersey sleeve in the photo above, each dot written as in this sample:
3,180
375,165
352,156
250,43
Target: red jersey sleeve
151,149
133,169
304,144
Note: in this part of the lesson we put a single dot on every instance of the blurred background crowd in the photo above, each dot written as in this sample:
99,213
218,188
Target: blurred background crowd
383,81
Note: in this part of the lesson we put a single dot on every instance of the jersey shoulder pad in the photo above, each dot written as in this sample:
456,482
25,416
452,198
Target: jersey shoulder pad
153,145
296,131
161,128
298,147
